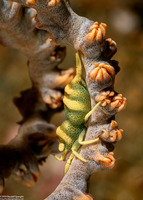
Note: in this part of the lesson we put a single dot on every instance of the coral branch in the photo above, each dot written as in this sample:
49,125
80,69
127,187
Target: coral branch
88,38
36,137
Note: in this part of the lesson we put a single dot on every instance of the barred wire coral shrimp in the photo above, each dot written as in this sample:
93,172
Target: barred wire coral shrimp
77,110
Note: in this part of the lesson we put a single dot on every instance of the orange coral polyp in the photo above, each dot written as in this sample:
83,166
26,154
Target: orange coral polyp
97,32
114,102
114,134
102,72
52,3
31,2
108,161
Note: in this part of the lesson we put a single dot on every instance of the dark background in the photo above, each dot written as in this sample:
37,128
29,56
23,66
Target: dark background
125,182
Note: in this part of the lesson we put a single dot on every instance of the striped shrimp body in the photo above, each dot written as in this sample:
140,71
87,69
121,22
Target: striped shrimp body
77,101
77,108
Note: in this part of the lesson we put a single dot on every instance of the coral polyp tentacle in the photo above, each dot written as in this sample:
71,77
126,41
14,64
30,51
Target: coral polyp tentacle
31,2
108,161
113,134
97,32
111,100
102,72
52,3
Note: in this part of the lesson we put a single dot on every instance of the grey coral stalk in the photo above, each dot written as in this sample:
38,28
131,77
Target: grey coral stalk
36,137
88,38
